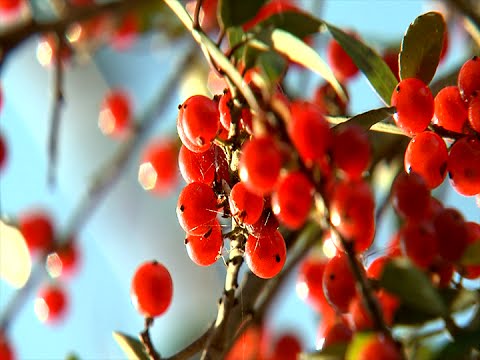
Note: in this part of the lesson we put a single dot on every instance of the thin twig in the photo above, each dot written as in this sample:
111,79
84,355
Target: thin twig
196,15
147,342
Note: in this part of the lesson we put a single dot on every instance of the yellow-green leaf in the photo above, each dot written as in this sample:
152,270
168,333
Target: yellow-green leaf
133,348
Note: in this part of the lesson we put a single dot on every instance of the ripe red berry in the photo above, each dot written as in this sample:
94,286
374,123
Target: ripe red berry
469,78
8,7
474,113
339,282
152,289
287,347
265,255
337,333
3,152
427,156
328,101
64,261
51,304
309,283
37,229
267,223
391,59
415,105
451,234
450,110
200,121
158,170
260,164
464,166
248,345
473,236
410,196
419,242
375,269
6,350
342,65
245,205
197,208
205,249
115,118
126,32
379,348
292,199
225,106
351,151
309,131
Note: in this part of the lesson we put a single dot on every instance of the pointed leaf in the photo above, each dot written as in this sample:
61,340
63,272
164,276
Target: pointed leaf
297,23
413,287
367,119
471,256
132,347
421,47
369,62
235,13
299,52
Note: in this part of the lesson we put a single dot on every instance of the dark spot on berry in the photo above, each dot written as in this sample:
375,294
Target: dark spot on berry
443,168
200,141
154,262
450,176
474,58
398,88
409,169
208,233
332,276
182,208
185,241
277,258
179,106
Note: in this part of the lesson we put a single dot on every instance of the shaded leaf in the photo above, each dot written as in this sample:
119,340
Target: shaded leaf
471,256
358,342
235,13
380,126
235,36
132,347
412,286
408,315
367,119
296,23
421,47
271,65
461,347
369,62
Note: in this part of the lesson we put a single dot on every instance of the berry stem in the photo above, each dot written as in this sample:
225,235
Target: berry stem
147,342
196,15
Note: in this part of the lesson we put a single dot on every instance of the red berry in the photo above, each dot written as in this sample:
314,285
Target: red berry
337,333
197,208
427,156
266,255
309,131
339,282
474,113
244,204
115,117
451,234
410,196
6,350
51,304
287,347
469,78
415,105
309,283
342,65
351,151
271,8
464,166
8,7
152,289
158,169
450,110
225,106
267,223
37,229
64,261
361,317
391,59
375,269
379,348
473,236
247,346
441,273
292,199
419,243
328,101
205,249
3,152
260,164
126,32
200,121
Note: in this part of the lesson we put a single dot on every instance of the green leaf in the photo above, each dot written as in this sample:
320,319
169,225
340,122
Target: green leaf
296,23
471,256
367,119
358,342
408,315
369,62
132,347
296,50
412,286
72,356
272,66
235,36
421,47
235,12
379,127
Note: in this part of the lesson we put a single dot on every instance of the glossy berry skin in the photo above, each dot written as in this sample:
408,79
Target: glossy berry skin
245,205
474,113
260,164
266,255
158,170
352,209
451,234
469,78
205,249
51,304
3,152
419,243
292,199
379,348
225,107
415,105
427,155
115,118
204,167
309,283
197,208
6,350
351,151
342,65
464,166
339,283
450,109
375,269
267,223
152,289
37,229
309,131
410,196
287,347
200,120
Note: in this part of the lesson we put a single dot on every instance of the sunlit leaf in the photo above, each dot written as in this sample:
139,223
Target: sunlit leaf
235,13
358,342
133,348
369,62
421,47
367,119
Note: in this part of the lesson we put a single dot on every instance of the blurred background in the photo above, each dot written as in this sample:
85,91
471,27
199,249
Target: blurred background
130,225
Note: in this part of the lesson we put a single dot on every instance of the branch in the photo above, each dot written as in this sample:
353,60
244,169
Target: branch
147,342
